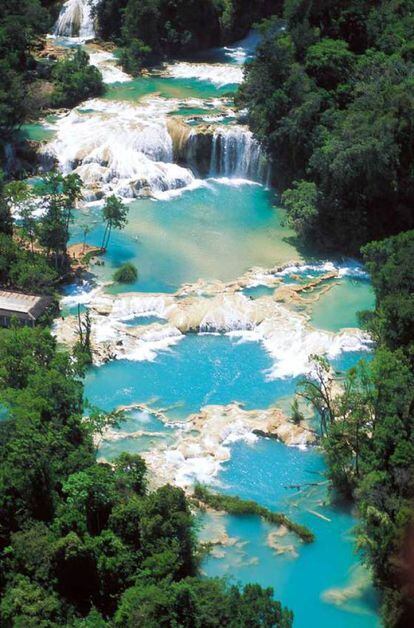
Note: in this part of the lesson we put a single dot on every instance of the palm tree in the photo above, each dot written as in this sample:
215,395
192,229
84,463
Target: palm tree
115,216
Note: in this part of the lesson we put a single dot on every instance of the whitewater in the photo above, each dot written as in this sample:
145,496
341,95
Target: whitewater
204,351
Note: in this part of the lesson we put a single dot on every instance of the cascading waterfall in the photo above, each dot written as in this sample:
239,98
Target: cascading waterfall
224,151
75,19
235,153
121,148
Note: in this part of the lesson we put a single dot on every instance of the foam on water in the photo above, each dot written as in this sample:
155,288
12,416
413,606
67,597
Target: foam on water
351,268
220,74
118,147
286,335
107,64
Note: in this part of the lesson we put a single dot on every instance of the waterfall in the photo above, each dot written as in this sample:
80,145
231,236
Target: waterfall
118,147
75,19
220,151
235,153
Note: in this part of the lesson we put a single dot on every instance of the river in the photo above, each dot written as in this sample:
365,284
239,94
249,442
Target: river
214,318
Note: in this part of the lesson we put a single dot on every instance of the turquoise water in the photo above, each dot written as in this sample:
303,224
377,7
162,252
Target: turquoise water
36,132
219,231
199,370
154,432
176,88
210,369
268,472
339,307
216,232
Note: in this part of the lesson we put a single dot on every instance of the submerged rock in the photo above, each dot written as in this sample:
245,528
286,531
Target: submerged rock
280,548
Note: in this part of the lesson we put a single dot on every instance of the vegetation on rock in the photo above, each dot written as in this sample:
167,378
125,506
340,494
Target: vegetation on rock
75,80
236,506
127,273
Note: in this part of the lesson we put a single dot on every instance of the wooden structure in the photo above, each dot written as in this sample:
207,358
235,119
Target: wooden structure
26,308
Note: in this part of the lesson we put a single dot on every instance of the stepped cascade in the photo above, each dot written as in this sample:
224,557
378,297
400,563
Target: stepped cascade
206,345
138,149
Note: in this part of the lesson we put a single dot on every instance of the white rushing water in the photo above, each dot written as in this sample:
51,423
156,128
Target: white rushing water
285,335
76,20
220,74
106,63
129,149
235,153
118,147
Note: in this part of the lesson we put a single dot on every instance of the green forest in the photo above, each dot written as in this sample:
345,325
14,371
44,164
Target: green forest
330,96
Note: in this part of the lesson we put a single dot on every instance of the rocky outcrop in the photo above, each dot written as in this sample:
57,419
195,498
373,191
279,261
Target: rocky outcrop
179,132
202,441
285,333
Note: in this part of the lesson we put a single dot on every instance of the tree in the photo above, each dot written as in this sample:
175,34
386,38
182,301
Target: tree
127,273
92,493
86,230
389,263
75,80
167,523
330,62
83,349
28,224
6,220
115,217
21,21
98,422
27,604
296,413
301,206
131,472
348,438
316,389
61,194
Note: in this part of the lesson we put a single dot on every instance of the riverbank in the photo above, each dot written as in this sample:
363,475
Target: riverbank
241,335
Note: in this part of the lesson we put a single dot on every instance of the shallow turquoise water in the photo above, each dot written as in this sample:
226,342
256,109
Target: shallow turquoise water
215,232
136,421
36,132
212,369
339,307
177,88
266,473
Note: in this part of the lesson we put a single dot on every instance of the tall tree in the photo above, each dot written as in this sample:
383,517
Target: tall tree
115,217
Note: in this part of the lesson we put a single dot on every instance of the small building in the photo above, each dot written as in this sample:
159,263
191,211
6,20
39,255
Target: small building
26,308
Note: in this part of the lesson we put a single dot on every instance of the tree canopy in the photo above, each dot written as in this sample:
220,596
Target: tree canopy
331,97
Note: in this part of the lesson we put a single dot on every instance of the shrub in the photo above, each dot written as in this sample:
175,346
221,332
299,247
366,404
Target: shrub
127,273
75,80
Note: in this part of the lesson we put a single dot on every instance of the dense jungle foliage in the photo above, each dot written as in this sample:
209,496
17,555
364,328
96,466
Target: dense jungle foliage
148,30
368,430
331,96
